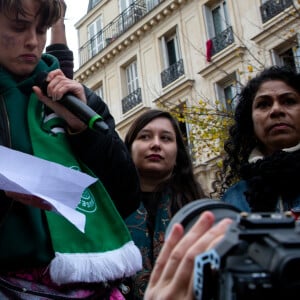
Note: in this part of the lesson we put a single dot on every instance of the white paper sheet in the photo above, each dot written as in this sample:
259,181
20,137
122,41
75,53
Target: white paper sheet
59,186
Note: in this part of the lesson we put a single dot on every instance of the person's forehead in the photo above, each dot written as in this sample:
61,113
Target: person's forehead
274,87
161,122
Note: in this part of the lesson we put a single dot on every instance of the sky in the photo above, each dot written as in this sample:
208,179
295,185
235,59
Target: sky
75,11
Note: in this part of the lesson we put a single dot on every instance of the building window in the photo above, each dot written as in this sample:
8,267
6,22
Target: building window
227,91
150,4
290,58
173,64
95,2
130,12
217,18
271,8
132,78
288,55
133,97
99,91
185,128
95,37
171,50
92,4
220,20
218,26
124,4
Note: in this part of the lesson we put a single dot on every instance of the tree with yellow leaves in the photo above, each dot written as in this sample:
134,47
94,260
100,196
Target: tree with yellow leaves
208,126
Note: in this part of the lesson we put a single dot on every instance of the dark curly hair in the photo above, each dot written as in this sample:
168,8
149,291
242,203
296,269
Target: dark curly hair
182,185
242,138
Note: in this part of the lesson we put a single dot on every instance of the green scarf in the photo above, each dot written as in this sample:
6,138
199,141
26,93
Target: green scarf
105,251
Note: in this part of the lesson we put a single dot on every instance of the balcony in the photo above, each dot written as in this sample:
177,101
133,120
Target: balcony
222,40
172,73
130,16
131,100
272,8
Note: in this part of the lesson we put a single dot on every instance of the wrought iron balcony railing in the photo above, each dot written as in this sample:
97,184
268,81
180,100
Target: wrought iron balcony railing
172,73
222,40
271,8
135,11
131,100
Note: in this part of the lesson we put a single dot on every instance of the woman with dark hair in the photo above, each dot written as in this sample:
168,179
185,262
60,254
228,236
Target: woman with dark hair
263,145
260,174
167,183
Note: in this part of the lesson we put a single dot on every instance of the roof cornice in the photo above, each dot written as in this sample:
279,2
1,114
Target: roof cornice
131,36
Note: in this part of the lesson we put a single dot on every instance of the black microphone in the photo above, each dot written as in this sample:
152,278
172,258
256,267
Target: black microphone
86,114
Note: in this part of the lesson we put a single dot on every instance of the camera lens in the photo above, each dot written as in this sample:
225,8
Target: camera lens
190,213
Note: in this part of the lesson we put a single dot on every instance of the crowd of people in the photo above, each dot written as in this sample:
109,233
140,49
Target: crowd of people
142,181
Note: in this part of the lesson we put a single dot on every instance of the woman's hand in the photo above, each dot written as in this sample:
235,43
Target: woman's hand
58,86
172,276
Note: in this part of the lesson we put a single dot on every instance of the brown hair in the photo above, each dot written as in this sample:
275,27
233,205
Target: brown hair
183,186
49,11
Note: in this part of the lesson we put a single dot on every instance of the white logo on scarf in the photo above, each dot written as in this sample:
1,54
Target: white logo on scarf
87,202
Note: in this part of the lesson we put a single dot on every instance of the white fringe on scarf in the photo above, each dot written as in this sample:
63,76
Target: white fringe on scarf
96,267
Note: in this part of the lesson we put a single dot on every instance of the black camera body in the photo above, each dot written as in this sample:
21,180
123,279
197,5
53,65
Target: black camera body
259,258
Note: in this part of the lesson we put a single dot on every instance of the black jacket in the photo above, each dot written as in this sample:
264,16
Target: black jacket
106,155
65,57
23,229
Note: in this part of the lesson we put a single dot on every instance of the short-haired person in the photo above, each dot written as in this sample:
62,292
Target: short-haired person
42,255
167,183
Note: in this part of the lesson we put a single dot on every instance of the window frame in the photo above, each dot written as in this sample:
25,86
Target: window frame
220,87
99,91
150,4
209,20
165,39
94,30
132,78
123,6
276,54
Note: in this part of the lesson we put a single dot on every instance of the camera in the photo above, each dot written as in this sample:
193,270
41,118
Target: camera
259,257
